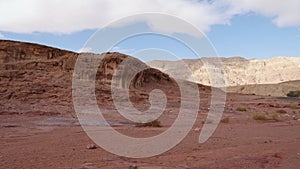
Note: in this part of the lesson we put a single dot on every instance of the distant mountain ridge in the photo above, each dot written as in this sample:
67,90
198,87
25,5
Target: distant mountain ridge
237,70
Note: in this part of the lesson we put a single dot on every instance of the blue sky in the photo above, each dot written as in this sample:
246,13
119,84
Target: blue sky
254,36
250,32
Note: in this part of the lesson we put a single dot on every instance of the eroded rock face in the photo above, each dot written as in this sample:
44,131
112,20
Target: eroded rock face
127,71
36,78
12,52
239,71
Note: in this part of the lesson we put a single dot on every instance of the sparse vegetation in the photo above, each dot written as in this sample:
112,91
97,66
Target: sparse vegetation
261,117
154,123
294,94
241,109
294,106
275,117
225,120
207,121
281,111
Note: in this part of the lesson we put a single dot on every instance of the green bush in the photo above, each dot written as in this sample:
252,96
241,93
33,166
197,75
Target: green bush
294,94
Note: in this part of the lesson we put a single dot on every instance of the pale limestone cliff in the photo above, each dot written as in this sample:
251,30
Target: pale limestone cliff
236,70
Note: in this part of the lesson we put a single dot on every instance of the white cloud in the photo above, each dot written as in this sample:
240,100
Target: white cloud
1,35
69,16
85,49
122,50
283,13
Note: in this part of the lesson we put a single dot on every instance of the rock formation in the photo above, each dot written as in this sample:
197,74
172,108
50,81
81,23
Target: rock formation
237,70
38,79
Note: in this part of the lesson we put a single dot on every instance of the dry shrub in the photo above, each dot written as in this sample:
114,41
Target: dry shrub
154,123
281,111
241,109
225,120
261,117
294,106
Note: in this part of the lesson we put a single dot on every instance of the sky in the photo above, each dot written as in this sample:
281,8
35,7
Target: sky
249,28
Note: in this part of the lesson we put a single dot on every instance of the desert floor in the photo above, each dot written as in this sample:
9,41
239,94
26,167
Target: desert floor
240,141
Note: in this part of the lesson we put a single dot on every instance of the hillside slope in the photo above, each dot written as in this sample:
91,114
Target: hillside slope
237,70
38,79
278,90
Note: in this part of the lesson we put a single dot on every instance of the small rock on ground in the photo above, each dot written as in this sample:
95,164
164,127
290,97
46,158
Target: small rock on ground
91,146
133,166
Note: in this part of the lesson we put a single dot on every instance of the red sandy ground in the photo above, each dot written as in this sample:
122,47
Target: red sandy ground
44,141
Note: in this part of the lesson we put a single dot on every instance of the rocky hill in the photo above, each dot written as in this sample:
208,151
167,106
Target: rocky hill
278,90
38,79
237,70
